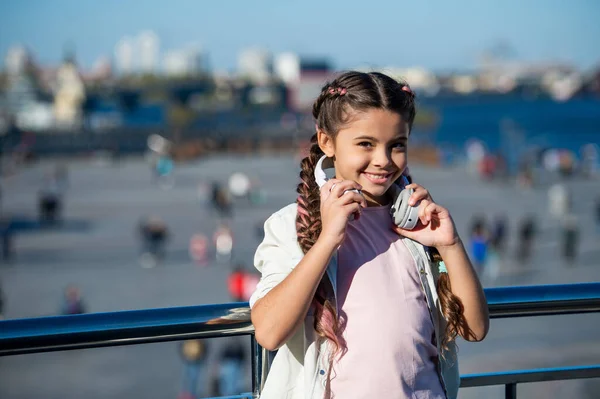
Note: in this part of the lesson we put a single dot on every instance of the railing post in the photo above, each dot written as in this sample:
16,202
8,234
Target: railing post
260,366
510,391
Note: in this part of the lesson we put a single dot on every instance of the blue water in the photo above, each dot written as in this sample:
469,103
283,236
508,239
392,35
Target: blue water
535,122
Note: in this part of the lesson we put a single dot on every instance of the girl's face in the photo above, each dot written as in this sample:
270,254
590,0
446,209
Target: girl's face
371,150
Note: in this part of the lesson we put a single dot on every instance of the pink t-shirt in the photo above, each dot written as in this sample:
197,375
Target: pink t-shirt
388,331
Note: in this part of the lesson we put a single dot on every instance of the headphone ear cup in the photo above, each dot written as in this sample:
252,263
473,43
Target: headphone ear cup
405,216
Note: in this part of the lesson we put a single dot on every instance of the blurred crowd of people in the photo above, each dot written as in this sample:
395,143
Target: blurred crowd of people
534,166
488,247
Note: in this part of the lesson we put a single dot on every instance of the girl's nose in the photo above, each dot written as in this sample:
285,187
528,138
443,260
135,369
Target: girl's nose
382,159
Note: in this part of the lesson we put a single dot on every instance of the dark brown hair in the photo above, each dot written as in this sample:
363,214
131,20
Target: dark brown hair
354,92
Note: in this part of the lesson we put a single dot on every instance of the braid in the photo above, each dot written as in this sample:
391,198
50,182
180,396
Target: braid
452,307
308,227
308,221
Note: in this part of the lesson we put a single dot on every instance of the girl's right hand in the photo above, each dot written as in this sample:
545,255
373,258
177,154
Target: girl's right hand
337,206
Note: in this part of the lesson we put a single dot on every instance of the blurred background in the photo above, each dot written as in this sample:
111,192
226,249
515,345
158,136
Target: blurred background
144,143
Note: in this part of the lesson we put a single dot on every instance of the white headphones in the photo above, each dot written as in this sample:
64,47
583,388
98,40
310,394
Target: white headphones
404,215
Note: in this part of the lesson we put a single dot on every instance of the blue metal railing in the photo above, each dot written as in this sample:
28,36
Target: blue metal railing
44,334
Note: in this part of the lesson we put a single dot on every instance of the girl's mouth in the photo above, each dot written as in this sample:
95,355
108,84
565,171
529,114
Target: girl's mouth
378,178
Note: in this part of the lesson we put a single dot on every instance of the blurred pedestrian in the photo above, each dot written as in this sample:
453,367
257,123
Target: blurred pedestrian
154,234
527,232
72,301
597,210
223,240
559,200
239,185
220,200
198,249
193,354
164,171
570,239
241,283
231,365
479,244
496,248
7,235
235,283
499,233
50,199
1,302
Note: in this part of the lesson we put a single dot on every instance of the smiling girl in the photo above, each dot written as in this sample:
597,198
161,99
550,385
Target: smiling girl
355,306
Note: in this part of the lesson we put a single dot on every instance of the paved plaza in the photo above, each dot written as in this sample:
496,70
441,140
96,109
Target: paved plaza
97,249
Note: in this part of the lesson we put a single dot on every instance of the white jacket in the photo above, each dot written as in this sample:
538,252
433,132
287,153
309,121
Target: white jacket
301,366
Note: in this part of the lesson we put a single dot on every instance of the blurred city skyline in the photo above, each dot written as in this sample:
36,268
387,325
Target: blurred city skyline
435,35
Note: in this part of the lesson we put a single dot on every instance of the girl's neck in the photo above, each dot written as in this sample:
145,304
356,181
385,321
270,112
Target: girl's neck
378,202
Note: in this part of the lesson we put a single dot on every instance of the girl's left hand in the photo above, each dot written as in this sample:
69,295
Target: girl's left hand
436,227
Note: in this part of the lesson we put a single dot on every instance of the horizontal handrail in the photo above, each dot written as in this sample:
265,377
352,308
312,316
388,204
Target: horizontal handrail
57,333
543,300
93,330
532,375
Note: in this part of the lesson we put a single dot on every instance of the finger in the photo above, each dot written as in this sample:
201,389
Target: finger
404,233
419,194
420,190
422,207
441,212
326,189
430,210
329,184
349,197
338,190
352,208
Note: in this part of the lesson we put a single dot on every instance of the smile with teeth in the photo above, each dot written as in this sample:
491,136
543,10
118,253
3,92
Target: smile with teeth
378,178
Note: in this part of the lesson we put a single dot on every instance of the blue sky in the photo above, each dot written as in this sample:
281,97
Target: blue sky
438,34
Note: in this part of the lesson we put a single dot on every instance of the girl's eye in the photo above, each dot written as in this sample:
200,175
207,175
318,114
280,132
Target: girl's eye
365,144
400,145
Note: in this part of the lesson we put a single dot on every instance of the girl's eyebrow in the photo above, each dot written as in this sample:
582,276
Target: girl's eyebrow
401,137
365,138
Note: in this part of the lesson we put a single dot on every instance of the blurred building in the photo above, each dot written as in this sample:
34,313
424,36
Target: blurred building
69,96
17,60
124,56
287,68
139,54
148,48
464,84
187,61
25,99
255,64
419,79
304,78
500,72
99,73
561,84
21,92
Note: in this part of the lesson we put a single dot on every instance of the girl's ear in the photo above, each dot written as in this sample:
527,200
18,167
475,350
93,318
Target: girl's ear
325,143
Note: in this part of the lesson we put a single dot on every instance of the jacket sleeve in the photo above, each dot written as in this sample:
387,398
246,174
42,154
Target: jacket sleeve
274,257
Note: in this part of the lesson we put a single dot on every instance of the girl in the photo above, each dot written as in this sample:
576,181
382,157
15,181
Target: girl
356,307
